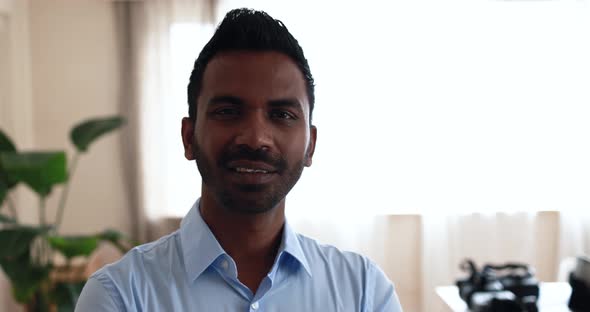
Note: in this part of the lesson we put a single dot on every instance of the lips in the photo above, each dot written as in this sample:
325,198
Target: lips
249,170
246,172
251,167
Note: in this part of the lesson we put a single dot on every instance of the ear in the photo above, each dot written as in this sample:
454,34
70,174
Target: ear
188,132
311,147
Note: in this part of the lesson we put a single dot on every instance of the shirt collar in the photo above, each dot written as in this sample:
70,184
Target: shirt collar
200,248
292,246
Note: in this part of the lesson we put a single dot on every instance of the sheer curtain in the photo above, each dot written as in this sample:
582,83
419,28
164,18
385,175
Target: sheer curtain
469,117
155,102
524,146
574,235
454,106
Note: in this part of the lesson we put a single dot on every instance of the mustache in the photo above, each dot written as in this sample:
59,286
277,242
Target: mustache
247,153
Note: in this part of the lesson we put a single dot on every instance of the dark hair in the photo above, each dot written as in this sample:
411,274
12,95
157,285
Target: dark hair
250,30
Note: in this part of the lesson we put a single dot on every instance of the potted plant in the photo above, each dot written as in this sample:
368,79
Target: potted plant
30,254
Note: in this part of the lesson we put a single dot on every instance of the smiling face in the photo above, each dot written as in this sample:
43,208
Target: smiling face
252,136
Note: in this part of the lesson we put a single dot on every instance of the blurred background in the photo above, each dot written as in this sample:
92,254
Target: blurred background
447,129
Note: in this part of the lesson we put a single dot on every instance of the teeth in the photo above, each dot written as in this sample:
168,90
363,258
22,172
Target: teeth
248,170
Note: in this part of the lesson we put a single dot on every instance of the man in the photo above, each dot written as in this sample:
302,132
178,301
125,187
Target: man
251,97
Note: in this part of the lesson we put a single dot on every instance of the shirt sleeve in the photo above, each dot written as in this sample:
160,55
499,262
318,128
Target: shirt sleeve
383,297
98,297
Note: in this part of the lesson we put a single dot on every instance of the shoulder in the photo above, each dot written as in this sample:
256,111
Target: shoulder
154,255
328,255
146,264
353,273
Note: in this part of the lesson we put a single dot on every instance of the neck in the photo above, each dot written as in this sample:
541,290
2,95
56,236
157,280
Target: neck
252,240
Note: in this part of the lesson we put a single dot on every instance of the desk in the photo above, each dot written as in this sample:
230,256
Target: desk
553,297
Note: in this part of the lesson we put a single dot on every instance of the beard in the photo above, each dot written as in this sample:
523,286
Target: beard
247,198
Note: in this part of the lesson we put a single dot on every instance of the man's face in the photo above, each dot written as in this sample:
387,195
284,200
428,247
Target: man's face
252,134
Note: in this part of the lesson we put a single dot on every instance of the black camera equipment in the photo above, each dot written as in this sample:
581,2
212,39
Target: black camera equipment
580,298
511,287
580,281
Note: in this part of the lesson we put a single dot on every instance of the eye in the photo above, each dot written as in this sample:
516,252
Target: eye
282,115
225,112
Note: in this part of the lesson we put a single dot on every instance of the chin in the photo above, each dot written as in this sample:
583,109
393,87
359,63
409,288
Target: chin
249,202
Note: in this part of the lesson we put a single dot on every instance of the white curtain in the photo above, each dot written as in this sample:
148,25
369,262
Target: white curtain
444,109
574,236
155,102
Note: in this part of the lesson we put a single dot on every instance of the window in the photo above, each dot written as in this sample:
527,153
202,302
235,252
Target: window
436,105
182,181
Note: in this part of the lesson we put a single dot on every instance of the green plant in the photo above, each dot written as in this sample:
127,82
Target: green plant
27,252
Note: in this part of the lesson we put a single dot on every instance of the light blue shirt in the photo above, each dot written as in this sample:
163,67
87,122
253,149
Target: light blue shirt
189,271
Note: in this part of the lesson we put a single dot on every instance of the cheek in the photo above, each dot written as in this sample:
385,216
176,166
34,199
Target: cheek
212,141
297,145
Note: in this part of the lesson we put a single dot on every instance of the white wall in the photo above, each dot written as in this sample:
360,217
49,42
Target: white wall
74,58
65,70
15,96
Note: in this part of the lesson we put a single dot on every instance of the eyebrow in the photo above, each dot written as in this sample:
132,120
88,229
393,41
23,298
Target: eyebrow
225,99
234,100
292,103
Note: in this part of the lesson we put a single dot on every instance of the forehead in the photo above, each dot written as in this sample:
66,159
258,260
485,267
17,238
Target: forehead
254,77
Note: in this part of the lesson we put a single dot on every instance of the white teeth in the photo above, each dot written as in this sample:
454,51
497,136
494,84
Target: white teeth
248,170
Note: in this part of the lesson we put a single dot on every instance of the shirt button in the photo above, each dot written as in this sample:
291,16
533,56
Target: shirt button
225,265
255,306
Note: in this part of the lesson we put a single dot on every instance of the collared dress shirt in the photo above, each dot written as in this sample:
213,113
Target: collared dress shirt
189,271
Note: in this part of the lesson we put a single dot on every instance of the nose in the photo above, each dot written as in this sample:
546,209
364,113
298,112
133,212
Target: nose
255,131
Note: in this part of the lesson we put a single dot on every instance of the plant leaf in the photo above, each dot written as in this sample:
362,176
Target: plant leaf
6,219
3,191
111,235
25,277
72,246
16,263
6,144
16,241
6,181
118,239
39,170
65,295
86,132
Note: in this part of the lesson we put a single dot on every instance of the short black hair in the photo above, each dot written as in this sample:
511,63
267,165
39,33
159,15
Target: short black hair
249,30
